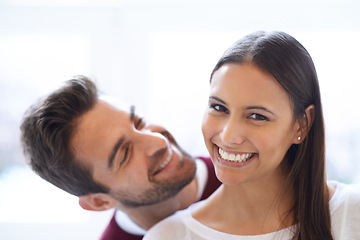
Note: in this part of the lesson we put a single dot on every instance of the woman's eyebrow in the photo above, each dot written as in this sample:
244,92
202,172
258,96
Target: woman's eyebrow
217,99
259,108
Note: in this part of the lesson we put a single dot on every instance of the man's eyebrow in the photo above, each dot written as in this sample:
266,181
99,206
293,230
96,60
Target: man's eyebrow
217,99
132,113
114,151
121,140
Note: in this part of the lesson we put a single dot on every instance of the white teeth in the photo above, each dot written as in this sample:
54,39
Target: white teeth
235,157
167,160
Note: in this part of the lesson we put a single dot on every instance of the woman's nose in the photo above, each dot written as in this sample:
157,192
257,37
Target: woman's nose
232,132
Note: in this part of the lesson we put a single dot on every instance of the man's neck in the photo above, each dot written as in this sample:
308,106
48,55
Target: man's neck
148,216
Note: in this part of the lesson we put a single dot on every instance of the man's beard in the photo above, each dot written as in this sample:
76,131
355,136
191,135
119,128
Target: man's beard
160,191
154,195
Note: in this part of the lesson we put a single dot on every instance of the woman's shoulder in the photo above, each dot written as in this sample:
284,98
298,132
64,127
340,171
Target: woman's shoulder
352,189
345,208
354,194
344,194
172,227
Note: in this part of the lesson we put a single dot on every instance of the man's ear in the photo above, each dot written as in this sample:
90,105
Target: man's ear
97,202
305,123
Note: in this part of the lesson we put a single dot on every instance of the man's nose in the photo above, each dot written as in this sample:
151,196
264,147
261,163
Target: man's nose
153,143
233,132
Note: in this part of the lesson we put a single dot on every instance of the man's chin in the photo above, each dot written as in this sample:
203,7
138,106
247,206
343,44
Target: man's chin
166,188
155,195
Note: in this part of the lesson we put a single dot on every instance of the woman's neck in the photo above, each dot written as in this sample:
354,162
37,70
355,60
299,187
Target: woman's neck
249,208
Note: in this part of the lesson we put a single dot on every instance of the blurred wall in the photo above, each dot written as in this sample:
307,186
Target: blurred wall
157,55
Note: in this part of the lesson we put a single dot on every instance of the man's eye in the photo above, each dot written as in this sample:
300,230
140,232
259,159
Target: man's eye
259,117
219,108
125,156
139,123
126,150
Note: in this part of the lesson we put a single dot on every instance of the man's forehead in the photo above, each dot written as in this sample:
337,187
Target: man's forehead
100,127
115,102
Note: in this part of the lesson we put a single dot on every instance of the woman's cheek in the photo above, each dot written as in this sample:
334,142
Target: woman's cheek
211,127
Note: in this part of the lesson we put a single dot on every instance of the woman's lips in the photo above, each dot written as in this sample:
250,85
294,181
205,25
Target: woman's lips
235,157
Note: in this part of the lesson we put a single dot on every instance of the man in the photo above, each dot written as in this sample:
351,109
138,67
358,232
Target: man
109,157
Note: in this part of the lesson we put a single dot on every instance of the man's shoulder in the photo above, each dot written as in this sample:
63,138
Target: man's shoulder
205,159
212,182
114,231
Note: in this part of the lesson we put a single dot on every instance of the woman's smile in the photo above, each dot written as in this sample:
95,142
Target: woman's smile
247,134
235,157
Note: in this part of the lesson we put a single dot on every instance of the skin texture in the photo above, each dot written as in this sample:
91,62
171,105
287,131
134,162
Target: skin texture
248,113
147,170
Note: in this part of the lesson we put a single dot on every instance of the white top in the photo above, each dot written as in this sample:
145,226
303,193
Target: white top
127,224
345,212
344,209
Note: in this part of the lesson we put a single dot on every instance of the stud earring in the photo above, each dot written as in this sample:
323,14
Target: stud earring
299,138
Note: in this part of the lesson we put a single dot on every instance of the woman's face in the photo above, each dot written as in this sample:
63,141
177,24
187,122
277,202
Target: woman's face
248,125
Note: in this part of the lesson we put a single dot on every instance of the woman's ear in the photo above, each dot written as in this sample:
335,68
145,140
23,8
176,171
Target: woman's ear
97,202
305,123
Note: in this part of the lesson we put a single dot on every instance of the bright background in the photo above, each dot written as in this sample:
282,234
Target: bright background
158,55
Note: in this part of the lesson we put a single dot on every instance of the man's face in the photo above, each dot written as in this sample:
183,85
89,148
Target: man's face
139,162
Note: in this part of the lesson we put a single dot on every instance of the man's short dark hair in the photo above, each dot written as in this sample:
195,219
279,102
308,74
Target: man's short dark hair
46,132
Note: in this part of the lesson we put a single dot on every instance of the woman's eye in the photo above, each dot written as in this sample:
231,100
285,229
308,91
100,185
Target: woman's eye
259,117
219,108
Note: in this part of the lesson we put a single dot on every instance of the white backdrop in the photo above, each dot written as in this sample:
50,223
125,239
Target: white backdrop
157,55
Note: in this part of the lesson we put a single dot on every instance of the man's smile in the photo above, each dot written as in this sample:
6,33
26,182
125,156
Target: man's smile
165,162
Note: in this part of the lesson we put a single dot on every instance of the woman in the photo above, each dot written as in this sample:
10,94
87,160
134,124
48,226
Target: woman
264,131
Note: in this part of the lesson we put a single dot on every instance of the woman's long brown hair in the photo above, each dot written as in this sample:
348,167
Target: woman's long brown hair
290,64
